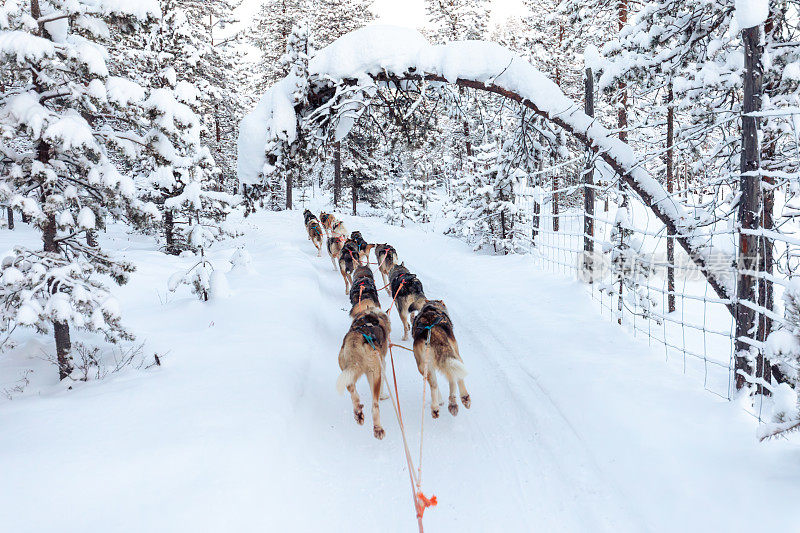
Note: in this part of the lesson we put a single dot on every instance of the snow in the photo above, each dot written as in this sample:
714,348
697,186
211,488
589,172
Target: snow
25,47
86,218
71,131
751,13
592,58
123,92
574,425
140,9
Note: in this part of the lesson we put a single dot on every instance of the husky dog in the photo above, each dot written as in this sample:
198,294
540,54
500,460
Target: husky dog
308,215
386,256
315,234
363,294
362,247
338,229
436,346
335,245
327,221
408,293
348,261
363,352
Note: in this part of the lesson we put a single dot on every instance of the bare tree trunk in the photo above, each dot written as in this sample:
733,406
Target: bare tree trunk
670,180
60,329
10,214
354,187
555,200
169,232
588,180
289,186
337,173
749,202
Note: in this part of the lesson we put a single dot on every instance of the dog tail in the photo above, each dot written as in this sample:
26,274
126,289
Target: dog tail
345,378
454,368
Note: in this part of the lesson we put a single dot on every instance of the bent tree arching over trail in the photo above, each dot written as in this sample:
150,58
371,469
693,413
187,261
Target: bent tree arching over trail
388,55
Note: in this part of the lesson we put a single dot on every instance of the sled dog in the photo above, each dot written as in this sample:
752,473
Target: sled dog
363,294
408,293
436,346
363,352
315,234
386,256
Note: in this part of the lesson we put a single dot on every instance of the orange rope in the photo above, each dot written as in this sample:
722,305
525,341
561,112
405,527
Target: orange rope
395,296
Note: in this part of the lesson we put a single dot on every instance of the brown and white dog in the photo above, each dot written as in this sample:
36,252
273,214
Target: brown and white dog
435,346
314,232
408,293
327,221
363,352
335,245
338,229
386,256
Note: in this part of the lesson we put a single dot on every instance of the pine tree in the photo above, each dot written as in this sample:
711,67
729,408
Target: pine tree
177,168
63,111
458,20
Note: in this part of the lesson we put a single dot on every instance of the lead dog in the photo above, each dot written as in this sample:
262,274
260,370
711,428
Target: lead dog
408,293
363,294
386,256
315,233
363,352
308,215
435,346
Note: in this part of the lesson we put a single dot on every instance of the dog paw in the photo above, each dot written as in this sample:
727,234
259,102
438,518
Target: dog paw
453,408
359,415
405,337
435,413
384,397
379,432
466,401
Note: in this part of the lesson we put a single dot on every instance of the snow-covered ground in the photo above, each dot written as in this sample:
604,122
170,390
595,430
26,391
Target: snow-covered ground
574,425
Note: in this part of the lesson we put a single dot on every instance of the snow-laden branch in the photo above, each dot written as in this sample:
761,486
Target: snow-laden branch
397,55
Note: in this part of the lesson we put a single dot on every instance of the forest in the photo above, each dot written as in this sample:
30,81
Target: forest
605,194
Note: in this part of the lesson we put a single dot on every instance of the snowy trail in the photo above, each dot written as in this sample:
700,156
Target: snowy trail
574,425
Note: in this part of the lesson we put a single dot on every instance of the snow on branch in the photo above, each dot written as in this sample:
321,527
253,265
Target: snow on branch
391,54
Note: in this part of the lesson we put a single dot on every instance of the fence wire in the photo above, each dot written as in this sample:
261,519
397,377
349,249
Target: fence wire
640,277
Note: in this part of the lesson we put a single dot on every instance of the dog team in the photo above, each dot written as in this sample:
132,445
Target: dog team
365,345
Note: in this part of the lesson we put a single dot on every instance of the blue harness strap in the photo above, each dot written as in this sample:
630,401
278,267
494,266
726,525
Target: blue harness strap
370,339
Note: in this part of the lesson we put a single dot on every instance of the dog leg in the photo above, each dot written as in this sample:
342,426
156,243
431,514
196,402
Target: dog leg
358,407
452,405
436,394
375,380
386,282
462,390
401,309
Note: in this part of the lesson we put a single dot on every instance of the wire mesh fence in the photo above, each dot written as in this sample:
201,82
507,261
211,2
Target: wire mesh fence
642,280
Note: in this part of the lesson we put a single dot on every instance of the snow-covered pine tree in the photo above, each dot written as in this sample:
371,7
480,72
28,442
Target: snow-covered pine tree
179,173
330,19
61,112
269,32
457,20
